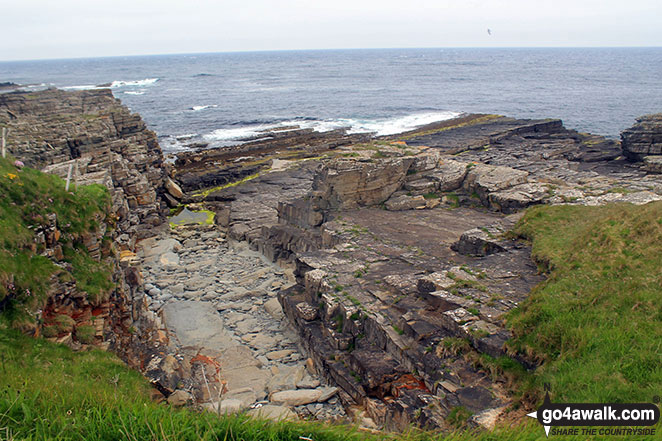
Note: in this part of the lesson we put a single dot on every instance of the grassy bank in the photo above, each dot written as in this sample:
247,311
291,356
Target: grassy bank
49,392
596,322
28,201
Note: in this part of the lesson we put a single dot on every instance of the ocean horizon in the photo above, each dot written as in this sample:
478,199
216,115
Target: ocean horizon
220,99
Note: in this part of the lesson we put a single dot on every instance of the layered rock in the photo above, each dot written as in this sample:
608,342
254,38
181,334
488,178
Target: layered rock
92,133
644,139
403,276
91,137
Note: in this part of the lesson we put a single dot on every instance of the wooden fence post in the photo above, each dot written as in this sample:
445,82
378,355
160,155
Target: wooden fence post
71,167
4,134
76,176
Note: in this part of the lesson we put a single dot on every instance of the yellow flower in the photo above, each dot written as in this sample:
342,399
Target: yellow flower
12,176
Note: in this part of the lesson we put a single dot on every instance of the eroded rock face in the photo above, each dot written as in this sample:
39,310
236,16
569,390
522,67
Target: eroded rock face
351,184
644,138
103,142
92,134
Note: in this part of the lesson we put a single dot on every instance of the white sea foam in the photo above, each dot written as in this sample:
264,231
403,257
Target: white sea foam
135,92
379,127
186,136
392,126
237,134
197,108
138,83
83,87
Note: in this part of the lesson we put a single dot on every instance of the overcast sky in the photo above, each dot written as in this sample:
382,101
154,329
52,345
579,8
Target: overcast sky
33,29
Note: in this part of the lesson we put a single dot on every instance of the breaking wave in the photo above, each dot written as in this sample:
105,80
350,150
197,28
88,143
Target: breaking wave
198,108
379,127
138,83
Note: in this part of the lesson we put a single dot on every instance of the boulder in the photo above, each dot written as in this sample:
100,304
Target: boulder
296,397
484,179
327,393
352,184
421,186
245,395
518,197
173,188
306,311
180,398
644,138
277,355
272,412
448,175
273,308
286,378
480,241
228,407
404,202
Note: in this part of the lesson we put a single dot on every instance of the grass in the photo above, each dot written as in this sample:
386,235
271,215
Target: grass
30,199
48,392
596,323
91,276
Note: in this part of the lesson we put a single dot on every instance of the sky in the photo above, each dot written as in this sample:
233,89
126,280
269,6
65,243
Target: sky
38,29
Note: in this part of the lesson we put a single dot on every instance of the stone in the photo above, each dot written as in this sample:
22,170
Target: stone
153,248
180,398
653,164
169,260
518,197
306,311
644,138
297,397
273,308
484,179
480,241
272,412
173,188
197,324
246,326
421,186
308,382
245,395
236,357
262,341
277,355
475,398
228,407
404,202
448,175
327,393
247,377
434,282
286,377
352,184
188,217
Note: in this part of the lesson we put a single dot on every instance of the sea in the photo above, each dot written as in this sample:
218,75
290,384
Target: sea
223,99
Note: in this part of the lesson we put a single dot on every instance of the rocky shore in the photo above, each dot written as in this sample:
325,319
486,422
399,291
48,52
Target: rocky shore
325,276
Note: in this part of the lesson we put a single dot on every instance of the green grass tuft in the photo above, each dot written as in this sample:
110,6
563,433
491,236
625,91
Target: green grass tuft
29,198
